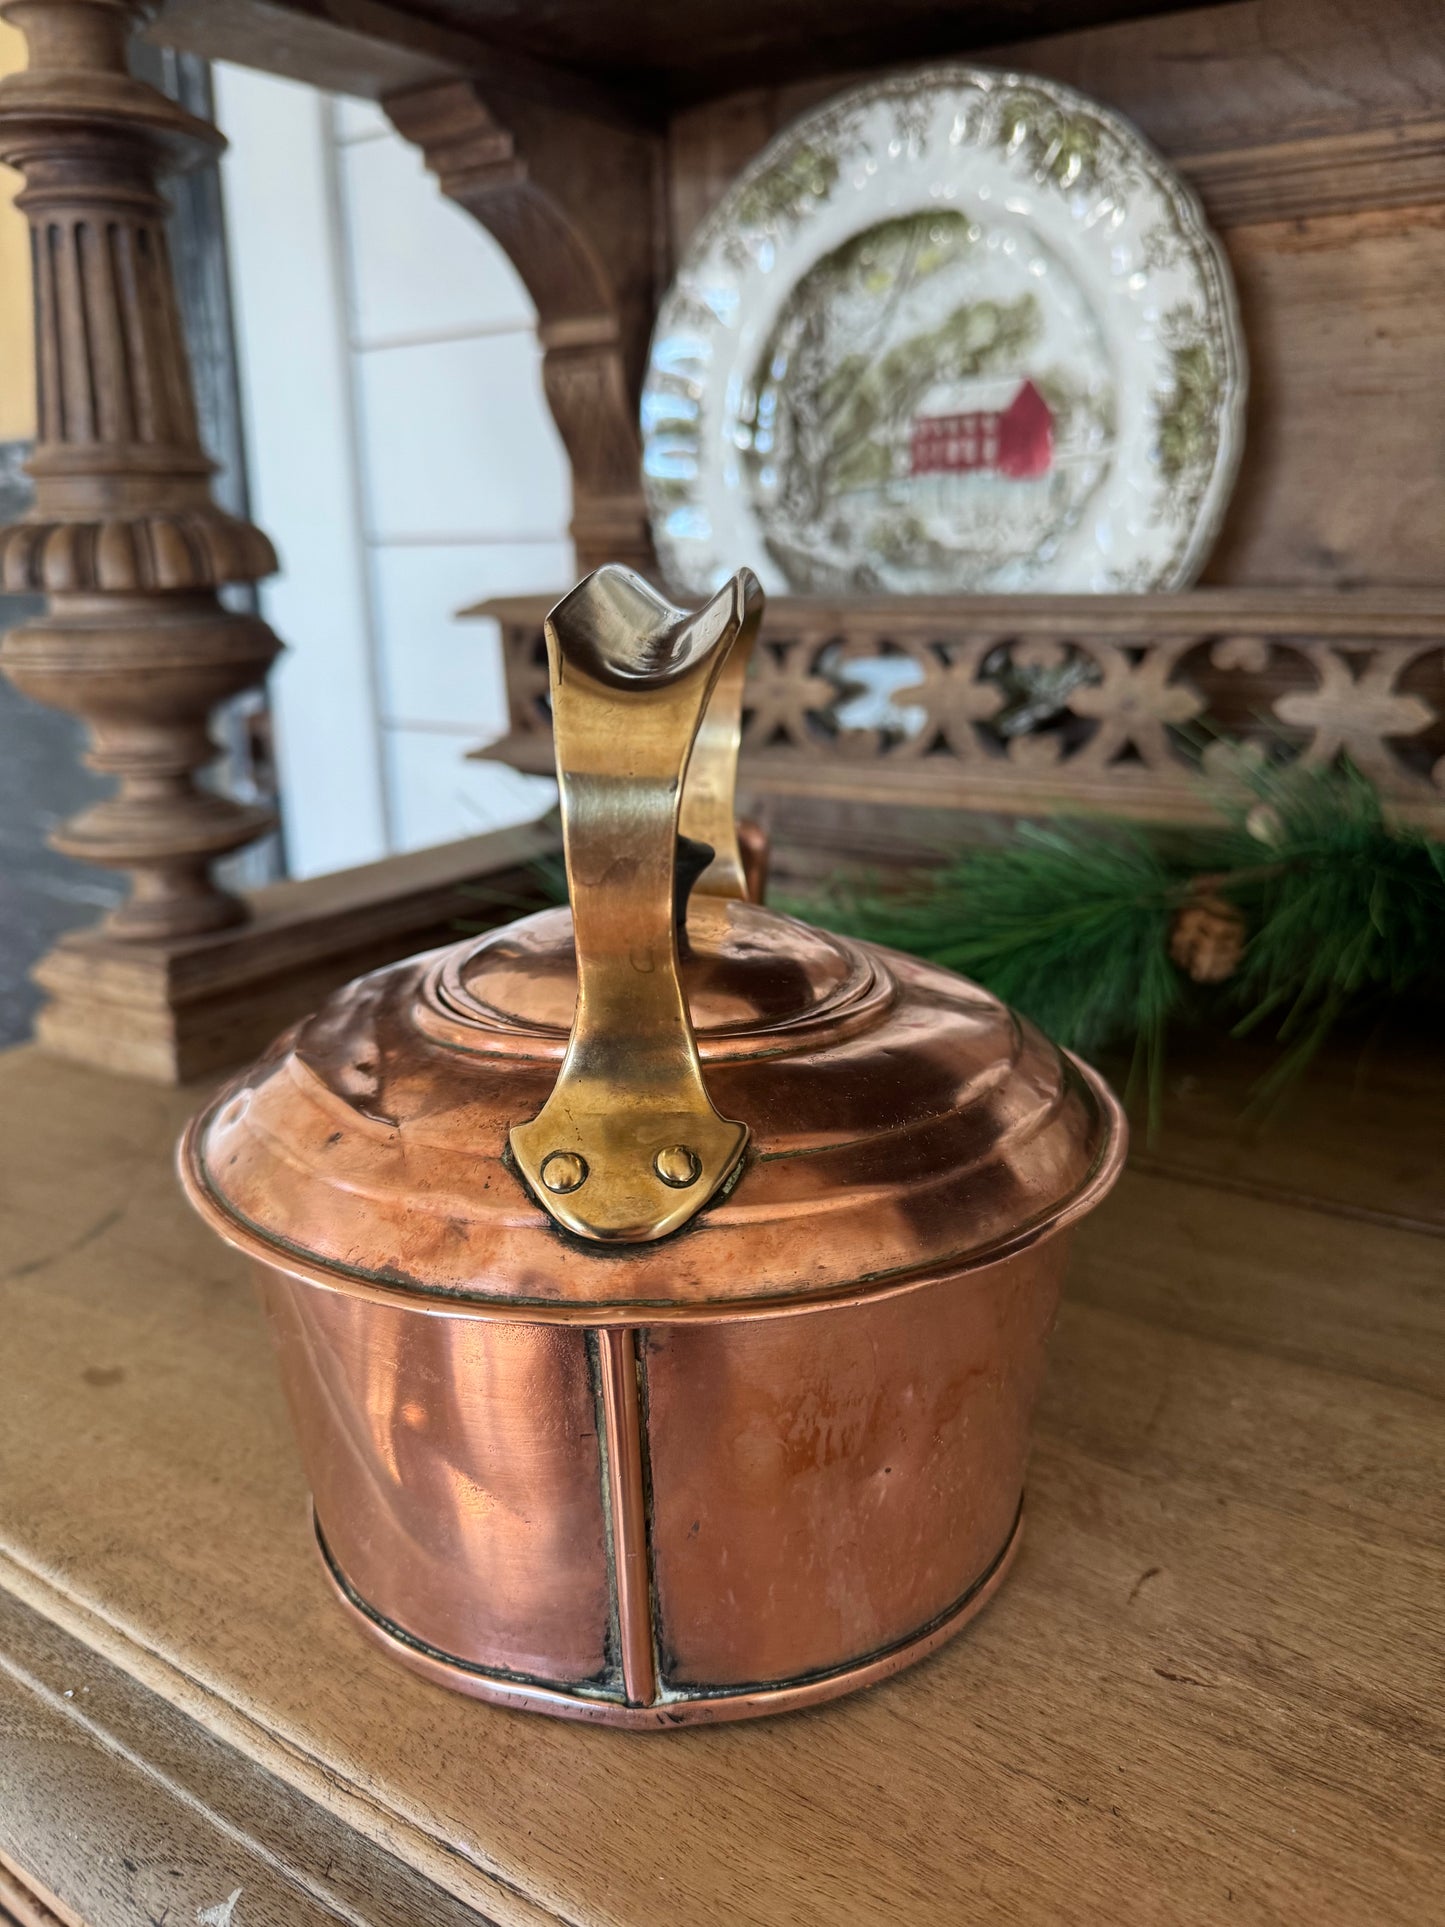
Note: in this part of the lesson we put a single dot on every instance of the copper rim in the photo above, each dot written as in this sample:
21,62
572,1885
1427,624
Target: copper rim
255,1243
528,1696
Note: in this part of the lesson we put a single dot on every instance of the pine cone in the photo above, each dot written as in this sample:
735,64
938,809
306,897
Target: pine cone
1206,938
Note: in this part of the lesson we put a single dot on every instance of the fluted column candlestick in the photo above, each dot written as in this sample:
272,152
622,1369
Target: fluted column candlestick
123,539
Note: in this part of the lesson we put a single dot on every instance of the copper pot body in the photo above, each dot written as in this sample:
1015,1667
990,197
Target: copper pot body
686,1521
744,1468
660,1286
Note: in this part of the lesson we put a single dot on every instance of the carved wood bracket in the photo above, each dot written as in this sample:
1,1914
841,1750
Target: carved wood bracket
574,204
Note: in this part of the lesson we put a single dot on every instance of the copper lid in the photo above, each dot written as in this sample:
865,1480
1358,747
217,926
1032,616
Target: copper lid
808,1118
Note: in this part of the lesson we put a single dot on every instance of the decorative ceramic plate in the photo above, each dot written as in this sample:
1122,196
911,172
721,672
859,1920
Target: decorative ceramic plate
957,330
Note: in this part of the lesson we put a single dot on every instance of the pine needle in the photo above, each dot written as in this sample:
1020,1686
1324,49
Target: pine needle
1349,910
1069,926
1063,926
1070,922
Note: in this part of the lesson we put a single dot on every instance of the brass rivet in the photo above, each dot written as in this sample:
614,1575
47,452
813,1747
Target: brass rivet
678,1166
564,1171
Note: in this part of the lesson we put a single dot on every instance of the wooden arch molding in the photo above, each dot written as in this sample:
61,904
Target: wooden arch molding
574,202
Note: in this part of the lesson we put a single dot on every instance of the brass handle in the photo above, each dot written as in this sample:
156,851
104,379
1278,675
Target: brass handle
628,1146
709,791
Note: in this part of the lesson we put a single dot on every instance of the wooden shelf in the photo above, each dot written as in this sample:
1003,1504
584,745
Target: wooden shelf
1208,1691
645,53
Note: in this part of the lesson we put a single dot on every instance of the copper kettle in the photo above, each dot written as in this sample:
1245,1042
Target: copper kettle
660,1286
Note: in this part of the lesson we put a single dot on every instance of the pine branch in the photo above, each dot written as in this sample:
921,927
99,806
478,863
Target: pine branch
1070,923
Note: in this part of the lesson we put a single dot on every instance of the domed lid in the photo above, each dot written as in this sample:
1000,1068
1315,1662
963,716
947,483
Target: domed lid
656,1104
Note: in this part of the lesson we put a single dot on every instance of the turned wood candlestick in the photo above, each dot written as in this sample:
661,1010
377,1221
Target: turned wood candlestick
123,539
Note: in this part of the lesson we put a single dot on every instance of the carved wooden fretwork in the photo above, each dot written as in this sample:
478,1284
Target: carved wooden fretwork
123,539
1126,705
549,185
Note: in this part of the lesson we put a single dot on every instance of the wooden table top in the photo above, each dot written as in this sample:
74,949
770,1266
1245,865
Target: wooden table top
1212,1690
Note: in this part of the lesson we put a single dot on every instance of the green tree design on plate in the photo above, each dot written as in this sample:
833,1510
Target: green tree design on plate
1188,413
834,393
1067,148
783,194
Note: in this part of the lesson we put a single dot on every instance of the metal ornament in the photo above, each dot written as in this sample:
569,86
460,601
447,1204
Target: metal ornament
660,1287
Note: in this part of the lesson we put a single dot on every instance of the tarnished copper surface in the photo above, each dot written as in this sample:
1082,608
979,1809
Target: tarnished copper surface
524,1696
824,1485
747,973
755,848
903,1124
622,1411
752,1464
456,1474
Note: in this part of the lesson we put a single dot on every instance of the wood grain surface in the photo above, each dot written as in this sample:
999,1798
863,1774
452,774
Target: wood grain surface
148,1818
1341,317
1284,82
647,51
1211,1691
175,1012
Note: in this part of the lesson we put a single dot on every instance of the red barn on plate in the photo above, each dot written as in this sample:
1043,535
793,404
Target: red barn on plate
1016,441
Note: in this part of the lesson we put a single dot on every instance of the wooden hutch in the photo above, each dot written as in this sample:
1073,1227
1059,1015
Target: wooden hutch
1214,1690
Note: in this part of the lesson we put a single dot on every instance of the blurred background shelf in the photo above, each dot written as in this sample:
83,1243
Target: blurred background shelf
588,142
